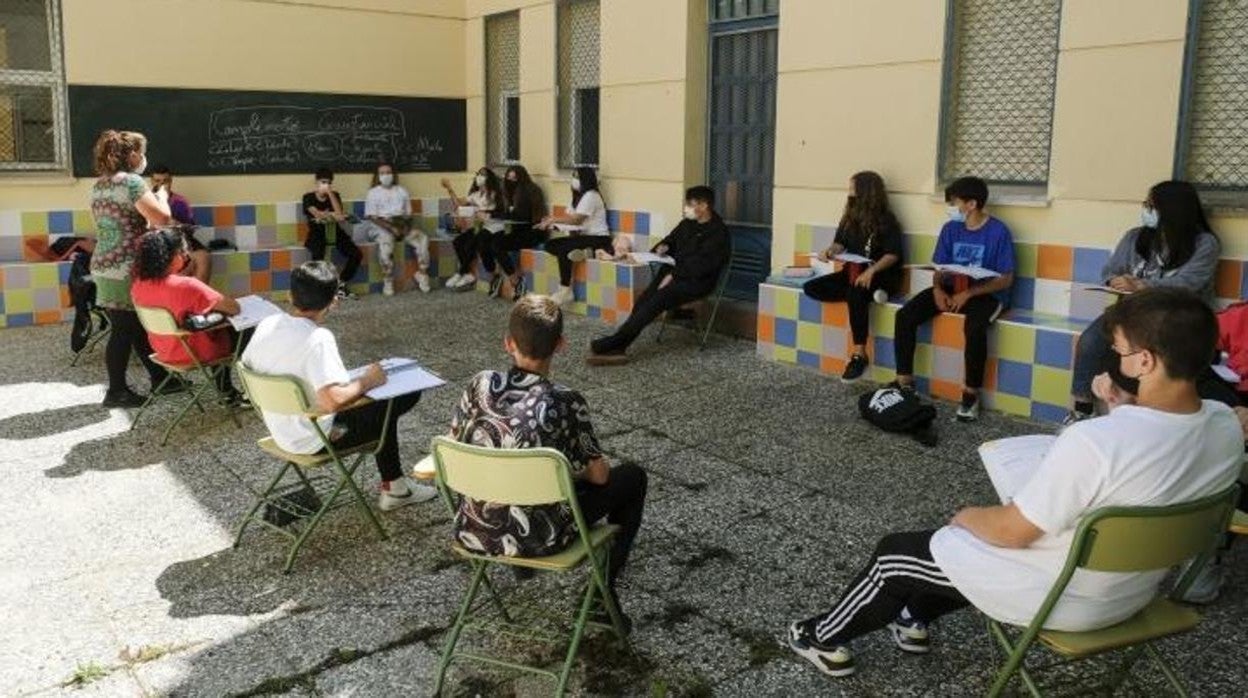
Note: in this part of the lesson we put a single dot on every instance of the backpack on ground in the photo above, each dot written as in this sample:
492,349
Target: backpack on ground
900,412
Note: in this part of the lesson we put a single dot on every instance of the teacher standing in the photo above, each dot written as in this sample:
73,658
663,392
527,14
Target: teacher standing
123,208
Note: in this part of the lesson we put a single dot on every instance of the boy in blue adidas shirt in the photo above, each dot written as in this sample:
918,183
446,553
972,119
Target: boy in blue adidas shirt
975,239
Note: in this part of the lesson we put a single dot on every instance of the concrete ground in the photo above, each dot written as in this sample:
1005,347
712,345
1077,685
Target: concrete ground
117,575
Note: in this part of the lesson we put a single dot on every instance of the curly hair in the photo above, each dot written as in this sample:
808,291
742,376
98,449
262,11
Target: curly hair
113,148
157,251
866,209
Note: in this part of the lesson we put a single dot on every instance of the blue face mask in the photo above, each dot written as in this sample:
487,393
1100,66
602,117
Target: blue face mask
1149,218
955,214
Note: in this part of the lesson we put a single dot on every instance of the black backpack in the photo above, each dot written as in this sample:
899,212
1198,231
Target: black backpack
900,412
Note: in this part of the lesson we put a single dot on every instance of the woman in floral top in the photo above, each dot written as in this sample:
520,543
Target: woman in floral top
124,209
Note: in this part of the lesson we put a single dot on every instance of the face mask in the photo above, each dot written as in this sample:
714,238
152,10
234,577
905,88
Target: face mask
690,214
955,214
385,179
1149,218
322,187
142,166
576,184
509,184
480,180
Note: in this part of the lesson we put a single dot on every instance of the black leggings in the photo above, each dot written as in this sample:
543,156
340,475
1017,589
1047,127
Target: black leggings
365,423
473,243
980,311
834,288
622,501
560,247
900,575
521,237
128,335
316,244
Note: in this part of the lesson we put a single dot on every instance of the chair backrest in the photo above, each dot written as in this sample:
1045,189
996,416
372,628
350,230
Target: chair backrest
274,394
1137,539
158,321
512,476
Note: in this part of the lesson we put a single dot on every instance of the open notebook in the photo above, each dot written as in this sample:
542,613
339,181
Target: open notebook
403,376
1011,462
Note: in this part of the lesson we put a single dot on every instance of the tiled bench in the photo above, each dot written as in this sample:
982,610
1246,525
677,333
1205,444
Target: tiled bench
1031,347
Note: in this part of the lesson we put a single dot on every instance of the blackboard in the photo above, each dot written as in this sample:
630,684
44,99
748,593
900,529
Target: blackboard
231,132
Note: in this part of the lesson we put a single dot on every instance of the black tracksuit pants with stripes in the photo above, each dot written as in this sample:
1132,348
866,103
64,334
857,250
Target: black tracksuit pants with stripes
900,575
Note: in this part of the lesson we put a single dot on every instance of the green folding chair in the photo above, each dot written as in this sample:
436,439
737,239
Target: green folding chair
160,322
713,299
1124,539
285,395
522,477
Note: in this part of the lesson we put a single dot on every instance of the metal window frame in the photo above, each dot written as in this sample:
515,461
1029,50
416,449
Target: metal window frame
1217,197
53,78
572,121
499,139
505,97
946,120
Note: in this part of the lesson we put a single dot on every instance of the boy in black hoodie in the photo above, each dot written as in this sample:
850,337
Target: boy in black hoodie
701,247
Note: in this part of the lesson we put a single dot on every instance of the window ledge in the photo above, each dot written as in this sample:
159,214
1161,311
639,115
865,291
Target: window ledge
1037,200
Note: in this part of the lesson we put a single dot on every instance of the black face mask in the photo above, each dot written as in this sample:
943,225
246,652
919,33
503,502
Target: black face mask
509,186
1112,366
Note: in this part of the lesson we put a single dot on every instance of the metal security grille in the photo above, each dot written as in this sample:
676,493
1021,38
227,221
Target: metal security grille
1214,153
1000,73
502,88
578,82
742,9
32,87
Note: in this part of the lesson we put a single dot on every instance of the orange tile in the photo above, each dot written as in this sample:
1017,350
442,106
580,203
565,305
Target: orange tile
624,299
608,315
1055,262
580,272
2,279
947,332
279,259
417,207
990,374
831,365
301,232
261,282
47,317
35,248
628,221
559,209
801,259
1229,277
222,216
836,314
65,302
946,389
766,328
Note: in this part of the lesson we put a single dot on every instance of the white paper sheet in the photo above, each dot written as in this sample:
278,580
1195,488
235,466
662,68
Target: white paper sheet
977,273
253,310
852,258
650,257
403,376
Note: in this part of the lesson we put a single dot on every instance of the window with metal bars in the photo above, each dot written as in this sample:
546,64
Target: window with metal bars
578,82
1000,77
33,128
502,88
742,9
1213,126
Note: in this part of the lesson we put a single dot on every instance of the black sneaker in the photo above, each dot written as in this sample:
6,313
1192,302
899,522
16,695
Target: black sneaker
681,314
968,410
855,368
833,661
236,399
520,289
123,398
496,285
903,387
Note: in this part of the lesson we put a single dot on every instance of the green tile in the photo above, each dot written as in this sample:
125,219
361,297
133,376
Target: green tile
810,337
593,294
1050,385
34,222
923,360
1016,343
919,248
606,274
786,303
803,237
238,263
786,354
19,300
1011,404
266,214
1025,254
288,233
45,276
883,318
84,222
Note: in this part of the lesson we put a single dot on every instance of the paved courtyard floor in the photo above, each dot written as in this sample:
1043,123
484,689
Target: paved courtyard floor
117,575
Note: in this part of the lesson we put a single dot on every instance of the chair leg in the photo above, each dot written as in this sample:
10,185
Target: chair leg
182,414
311,526
361,503
260,501
710,323
151,397
578,630
1166,669
448,651
658,338
497,599
608,601
1013,664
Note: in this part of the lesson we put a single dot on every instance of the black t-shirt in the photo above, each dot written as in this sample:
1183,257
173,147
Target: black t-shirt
886,240
311,200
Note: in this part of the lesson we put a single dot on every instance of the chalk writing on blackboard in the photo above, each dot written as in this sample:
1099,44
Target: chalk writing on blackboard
259,137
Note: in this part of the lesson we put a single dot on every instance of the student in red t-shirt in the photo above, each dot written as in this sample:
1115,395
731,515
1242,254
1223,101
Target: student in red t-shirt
159,283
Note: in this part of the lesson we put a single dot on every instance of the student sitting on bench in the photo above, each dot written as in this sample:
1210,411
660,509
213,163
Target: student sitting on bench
700,247
323,206
472,239
387,218
971,238
586,224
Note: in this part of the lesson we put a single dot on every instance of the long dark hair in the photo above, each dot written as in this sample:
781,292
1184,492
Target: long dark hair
491,183
157,251
522,194
866,209
1181,220
589,182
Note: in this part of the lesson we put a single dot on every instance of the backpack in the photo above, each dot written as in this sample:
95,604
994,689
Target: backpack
82,297
899,412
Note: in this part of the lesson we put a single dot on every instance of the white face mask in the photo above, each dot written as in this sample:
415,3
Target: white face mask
690,213
480,180
955,214
576,184
386,179
141,167
1149,218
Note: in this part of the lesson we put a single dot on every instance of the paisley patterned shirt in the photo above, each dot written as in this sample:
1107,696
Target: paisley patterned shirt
519,409
119,227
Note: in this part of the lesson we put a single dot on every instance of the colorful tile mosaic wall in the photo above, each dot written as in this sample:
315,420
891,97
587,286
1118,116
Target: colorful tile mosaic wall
34,293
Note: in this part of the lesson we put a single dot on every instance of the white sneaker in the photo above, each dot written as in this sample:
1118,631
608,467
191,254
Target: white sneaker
563,296
422,281
454,280
466,282
578,255
387,287
403,491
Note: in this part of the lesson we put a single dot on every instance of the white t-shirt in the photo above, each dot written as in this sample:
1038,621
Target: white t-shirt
286,345
481,200
386,202
1134,456
595,211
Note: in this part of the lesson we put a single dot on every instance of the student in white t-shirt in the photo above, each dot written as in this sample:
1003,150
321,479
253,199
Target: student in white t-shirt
296,344
586,223
474,235
1170,447
388,217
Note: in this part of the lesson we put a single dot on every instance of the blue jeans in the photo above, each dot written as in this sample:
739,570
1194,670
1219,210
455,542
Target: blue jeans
1090,353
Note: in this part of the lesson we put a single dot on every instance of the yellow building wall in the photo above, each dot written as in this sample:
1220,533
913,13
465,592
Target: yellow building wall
390,47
